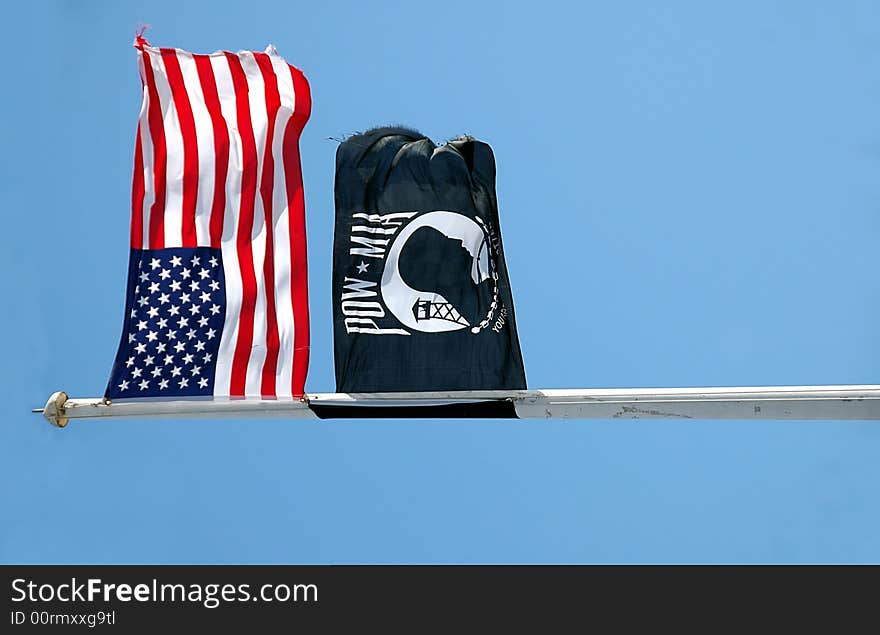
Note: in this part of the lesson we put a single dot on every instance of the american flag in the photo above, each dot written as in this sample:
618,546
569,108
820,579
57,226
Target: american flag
217,301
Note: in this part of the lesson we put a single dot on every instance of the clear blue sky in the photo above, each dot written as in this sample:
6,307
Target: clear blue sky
689,195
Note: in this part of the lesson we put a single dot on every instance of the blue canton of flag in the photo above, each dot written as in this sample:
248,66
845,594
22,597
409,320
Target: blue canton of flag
174,314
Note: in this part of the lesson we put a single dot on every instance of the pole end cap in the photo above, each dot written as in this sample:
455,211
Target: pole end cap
54,410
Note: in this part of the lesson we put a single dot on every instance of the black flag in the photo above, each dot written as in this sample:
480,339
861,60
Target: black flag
421,298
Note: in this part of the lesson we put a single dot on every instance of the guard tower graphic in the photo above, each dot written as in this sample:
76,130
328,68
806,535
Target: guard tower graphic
428,310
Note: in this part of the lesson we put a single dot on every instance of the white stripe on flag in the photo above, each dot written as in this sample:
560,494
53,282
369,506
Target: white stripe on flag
257,103
283,301
231,272
205,141
149,159
173,217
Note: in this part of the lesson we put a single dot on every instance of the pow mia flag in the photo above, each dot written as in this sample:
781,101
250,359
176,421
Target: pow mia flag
421,298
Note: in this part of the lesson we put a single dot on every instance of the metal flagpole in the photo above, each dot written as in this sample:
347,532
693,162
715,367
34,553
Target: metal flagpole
768,403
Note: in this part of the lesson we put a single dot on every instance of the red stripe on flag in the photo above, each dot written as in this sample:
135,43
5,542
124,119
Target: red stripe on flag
157,134
221,145
190,146
267,182
299,276
245,229
137,195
